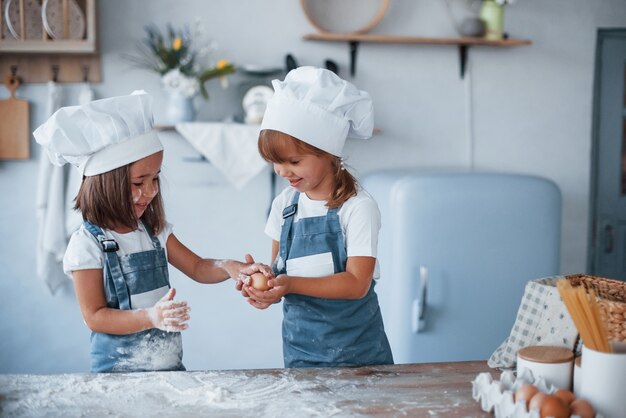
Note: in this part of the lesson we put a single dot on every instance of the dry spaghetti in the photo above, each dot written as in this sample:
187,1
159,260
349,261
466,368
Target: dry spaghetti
585,313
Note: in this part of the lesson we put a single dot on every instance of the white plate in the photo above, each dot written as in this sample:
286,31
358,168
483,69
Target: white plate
255,101
52,17
32,20
344,16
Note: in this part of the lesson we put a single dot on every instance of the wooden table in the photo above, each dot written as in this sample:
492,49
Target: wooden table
415,390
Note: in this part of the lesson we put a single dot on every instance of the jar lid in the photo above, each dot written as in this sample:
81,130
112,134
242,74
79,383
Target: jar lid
546,354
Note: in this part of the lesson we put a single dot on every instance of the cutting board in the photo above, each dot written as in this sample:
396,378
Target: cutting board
14,128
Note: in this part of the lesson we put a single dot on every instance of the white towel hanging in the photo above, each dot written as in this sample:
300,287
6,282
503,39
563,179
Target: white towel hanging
50,201
230,147
86,94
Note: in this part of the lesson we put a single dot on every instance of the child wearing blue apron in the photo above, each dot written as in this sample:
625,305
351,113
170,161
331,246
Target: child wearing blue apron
324,227
118,259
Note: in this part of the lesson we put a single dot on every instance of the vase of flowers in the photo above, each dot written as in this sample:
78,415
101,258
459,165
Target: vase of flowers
183,68
181,91
492,13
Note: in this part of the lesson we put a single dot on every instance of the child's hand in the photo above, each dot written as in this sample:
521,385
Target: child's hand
279,287
169,315
244,275
254,267
259,305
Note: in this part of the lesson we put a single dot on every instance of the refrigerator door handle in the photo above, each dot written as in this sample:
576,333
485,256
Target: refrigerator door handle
418,317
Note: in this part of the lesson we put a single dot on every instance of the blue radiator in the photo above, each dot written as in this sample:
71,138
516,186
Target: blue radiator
455,252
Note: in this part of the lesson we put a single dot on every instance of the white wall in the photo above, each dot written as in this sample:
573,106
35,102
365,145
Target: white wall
531,114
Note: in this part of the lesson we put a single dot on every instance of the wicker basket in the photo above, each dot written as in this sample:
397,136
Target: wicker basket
612,301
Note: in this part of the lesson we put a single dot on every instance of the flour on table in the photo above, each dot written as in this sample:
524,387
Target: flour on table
234,393
163,394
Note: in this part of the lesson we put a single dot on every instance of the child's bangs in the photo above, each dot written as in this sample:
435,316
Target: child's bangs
274,146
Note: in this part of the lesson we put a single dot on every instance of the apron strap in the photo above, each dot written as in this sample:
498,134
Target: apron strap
288,215
155,241
108,245
114,271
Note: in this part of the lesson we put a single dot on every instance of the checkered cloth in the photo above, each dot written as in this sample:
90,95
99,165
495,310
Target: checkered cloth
542,319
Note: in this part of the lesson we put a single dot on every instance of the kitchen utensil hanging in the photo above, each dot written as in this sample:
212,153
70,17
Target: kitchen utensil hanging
332,66
14,128
32,20
60,25
290,62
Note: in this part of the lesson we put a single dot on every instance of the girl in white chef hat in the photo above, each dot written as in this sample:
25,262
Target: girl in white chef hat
118,258
324,227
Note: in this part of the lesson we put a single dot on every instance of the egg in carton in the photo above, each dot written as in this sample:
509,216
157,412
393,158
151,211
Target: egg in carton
497,395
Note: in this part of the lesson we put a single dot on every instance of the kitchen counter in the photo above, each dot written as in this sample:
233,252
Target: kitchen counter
416,390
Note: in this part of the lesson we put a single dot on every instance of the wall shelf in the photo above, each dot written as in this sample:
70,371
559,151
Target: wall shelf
69,58
462,43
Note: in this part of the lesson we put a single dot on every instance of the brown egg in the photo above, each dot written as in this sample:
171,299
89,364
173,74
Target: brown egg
525,393
537,401
259,281
554,407
565,395
583,408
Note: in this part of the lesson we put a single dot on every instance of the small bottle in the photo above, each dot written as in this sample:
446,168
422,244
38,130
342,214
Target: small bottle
554,364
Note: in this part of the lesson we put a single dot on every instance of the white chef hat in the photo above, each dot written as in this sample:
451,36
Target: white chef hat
319,108
101,135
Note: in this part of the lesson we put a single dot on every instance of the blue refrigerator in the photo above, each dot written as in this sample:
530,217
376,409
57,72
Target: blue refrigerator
455,251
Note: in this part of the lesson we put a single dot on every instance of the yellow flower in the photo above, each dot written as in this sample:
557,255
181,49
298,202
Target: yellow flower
177,44
221,64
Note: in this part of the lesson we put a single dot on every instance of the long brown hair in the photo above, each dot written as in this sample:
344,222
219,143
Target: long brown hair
106,200
272,146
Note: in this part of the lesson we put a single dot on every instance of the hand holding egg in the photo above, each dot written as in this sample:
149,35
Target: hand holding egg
254,275
259,281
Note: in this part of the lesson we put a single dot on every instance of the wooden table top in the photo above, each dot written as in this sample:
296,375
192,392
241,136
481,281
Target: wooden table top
416,390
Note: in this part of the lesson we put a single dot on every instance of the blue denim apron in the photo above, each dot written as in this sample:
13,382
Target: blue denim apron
125,276
319,332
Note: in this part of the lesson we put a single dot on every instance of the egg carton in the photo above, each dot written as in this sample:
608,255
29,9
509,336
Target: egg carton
497,395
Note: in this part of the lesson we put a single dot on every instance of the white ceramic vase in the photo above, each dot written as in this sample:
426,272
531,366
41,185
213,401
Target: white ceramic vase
180,108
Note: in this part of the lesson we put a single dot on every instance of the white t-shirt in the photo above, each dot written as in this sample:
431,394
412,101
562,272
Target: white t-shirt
85,252
359,218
